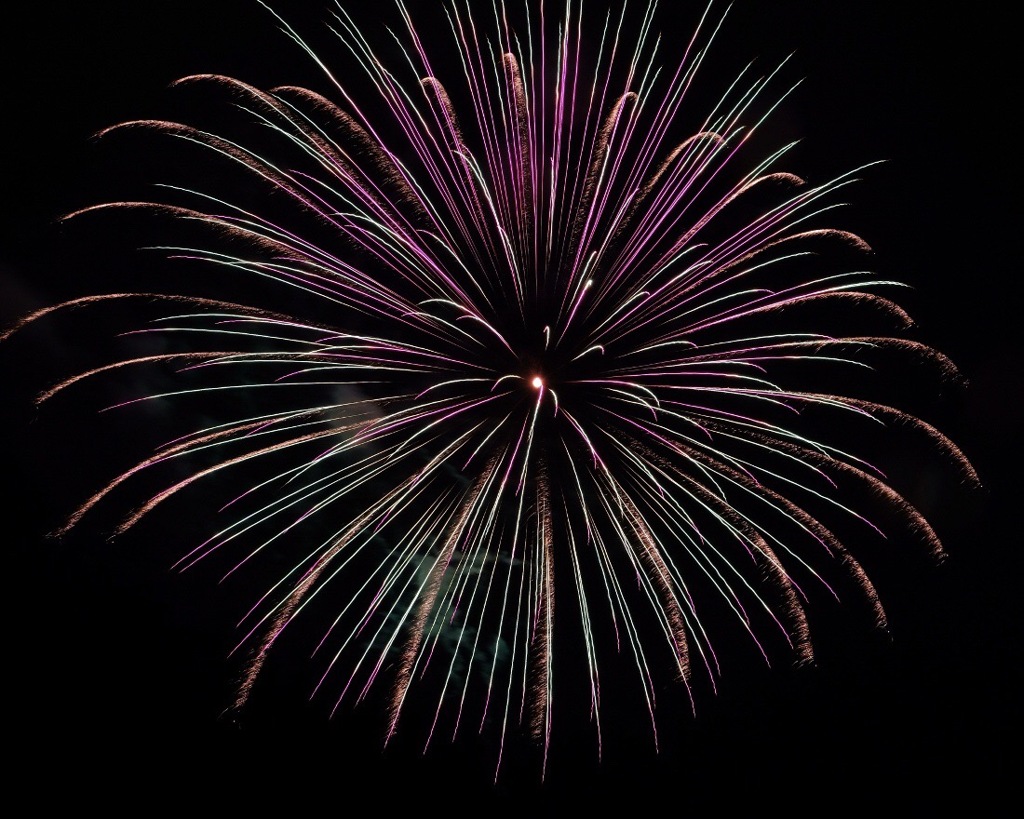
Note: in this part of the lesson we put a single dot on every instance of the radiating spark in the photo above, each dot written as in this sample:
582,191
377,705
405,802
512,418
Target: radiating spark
535,366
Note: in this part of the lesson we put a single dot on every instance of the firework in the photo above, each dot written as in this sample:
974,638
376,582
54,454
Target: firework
527,332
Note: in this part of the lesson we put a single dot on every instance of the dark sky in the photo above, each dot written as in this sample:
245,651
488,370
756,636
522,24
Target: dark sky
105,648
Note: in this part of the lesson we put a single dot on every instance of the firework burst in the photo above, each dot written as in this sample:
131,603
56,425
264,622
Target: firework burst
537,359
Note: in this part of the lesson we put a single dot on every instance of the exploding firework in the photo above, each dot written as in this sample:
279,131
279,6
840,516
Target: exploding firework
527,332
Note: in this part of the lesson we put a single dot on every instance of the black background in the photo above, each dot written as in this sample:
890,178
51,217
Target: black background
115,667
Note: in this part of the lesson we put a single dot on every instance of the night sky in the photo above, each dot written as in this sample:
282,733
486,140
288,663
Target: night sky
116,667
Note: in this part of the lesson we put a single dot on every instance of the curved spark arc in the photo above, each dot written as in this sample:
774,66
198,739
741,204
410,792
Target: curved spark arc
537,373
